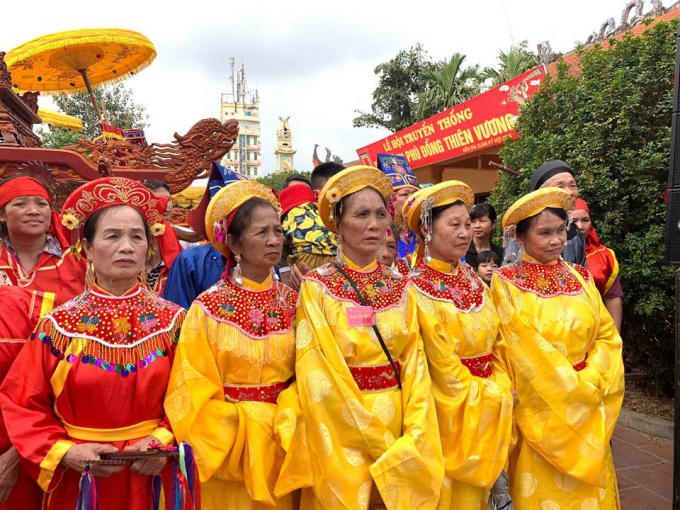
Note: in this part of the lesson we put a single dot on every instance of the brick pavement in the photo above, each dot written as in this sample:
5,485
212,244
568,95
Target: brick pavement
644,467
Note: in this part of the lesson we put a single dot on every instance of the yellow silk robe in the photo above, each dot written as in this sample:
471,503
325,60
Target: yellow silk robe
238,445
553,320
459,321
374,447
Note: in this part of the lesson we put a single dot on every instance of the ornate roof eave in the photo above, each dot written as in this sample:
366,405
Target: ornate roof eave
609,29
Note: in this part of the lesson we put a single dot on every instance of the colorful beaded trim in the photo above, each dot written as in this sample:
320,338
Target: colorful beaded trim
382,287
481,366
257,314
117,334
454,288
402,267
268,394
545,280
375,377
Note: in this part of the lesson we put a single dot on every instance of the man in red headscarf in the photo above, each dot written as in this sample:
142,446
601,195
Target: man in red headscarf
602,263
37,272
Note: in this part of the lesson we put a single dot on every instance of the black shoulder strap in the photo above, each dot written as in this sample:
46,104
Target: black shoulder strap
375,326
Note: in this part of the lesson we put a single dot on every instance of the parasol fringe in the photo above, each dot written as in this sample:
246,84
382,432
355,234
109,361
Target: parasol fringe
18,54
72,90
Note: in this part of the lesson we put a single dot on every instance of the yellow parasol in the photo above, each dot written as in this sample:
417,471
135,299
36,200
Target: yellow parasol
59,119
76,60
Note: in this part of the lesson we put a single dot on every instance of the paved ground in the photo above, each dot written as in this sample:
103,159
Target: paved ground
644,467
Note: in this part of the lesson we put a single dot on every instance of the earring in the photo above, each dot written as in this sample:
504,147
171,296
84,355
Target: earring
238,278
338,256
150,253
144,277
426,227
90,277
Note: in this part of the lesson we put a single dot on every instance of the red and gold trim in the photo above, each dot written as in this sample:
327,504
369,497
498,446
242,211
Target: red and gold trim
545,280
464,288
256,313
480,366
373,378
382,287
268,394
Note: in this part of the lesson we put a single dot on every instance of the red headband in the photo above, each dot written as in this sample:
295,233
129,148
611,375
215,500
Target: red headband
30,187
294,196
581,205
22,187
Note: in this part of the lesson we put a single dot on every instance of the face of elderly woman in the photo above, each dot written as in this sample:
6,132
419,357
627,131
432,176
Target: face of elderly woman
259,239
363,225
451,234
27,216
118,246
544,239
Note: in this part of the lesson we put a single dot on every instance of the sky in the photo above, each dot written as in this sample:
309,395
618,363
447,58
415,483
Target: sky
312,61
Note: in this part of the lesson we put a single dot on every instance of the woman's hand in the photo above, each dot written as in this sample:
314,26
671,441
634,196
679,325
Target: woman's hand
147,467
9,472
80,455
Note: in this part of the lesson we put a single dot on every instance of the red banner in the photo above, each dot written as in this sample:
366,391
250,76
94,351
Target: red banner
479,123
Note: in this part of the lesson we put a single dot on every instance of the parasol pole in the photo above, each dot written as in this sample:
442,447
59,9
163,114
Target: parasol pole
83,73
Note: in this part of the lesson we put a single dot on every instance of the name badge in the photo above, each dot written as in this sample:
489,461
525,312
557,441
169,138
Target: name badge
360,316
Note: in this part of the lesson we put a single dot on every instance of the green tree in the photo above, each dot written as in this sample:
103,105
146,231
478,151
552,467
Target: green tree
612,124
516,61
400,81
121,109
449,85
275,180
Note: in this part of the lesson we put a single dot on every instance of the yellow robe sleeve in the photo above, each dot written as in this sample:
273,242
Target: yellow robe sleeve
351,447
567,416
475,413
231,441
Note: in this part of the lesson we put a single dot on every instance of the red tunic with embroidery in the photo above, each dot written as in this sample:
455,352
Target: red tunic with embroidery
99,362
63,276
58,279
21,310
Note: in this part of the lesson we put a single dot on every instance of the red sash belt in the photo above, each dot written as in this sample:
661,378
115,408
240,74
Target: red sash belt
375,377
580,365
481,366
268,393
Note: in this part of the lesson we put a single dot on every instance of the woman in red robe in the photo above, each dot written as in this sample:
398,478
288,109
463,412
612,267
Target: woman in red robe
36,270
602,263
92,378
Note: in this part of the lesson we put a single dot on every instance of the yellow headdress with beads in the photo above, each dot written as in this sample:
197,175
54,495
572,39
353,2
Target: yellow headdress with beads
226,201
444,193
535,202
345,183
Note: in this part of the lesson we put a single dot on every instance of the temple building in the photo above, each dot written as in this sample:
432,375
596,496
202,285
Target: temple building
464,141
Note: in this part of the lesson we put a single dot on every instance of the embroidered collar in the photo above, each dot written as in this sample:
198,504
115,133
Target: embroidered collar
257,313
122,333
462,286
543,279
381,286
370,267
